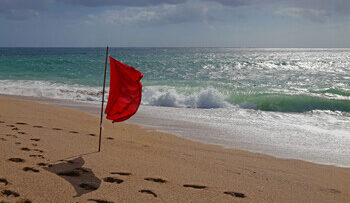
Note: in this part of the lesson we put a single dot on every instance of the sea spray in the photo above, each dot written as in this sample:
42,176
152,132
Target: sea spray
207,98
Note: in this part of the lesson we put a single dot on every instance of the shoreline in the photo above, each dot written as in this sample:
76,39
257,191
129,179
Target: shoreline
191,171
166,125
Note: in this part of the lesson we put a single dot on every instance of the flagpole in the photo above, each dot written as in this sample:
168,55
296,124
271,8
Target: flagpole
103,99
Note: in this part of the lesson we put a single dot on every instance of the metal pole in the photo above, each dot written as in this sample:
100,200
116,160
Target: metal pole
103,99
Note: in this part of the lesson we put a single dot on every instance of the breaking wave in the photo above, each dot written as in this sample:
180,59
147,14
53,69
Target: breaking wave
333,91
289,103
205,99
154,96
170,97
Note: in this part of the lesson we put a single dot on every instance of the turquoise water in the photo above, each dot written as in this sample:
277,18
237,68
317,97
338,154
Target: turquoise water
287,80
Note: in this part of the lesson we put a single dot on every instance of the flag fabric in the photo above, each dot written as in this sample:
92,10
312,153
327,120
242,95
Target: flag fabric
125,90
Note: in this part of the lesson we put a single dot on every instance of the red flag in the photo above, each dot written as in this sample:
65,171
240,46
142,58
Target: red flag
125,91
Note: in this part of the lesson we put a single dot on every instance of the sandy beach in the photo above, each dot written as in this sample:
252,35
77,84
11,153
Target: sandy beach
49,154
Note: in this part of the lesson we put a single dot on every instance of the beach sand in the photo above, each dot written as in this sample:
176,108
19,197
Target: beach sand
49,154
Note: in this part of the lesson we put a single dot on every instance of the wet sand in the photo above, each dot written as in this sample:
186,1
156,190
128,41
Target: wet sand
49,154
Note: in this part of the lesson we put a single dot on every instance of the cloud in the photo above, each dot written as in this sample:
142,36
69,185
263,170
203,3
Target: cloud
314,10
154,11
143,3
21,14
233,3
191,11
129,3
22,9
312,14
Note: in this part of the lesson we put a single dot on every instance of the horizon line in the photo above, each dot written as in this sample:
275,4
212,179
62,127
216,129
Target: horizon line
175,47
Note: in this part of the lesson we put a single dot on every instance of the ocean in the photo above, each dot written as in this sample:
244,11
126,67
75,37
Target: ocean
291,103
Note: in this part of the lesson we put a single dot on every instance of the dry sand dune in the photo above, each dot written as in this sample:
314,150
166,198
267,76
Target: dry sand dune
49,154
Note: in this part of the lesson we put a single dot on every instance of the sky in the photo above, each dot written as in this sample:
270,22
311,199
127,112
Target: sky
175,23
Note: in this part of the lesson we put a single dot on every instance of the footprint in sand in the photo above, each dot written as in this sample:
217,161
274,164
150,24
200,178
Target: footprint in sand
2,121
56,129
235,194
17,160
91,134
17,143
74,132
35,145
41,164
37,155
25,149
110,138
121,173
3,139
11,126
113,180
21,123
38,150
10,193
3,180
15,129
22,133
35,139
149,192
195,186
157,180
99,201
37,126
31,169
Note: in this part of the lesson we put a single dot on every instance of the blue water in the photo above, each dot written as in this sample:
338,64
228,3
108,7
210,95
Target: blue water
287,80
293,103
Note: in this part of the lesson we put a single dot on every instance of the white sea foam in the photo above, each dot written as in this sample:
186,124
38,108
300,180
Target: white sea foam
313,136
206,99
50,90
209,98
153,96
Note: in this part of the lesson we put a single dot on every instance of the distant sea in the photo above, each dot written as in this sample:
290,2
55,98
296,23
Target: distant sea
289,102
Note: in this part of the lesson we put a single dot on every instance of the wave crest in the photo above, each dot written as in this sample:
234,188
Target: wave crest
171,97
206,99
289,103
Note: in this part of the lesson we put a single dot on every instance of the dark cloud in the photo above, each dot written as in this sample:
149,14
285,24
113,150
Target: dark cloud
135,3
22,9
